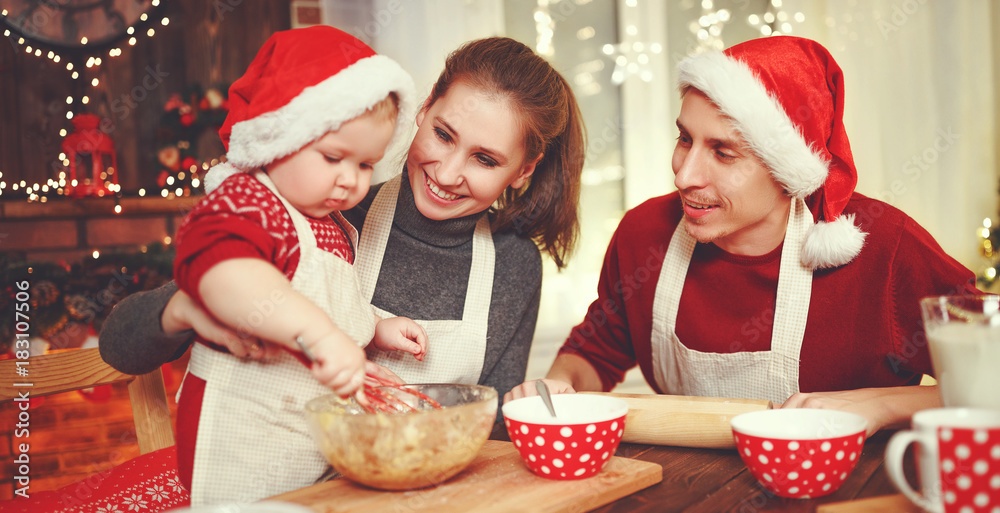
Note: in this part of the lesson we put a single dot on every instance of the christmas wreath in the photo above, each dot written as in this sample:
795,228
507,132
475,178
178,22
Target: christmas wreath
82,293
186,117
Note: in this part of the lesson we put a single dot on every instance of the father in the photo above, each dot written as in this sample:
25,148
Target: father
765,275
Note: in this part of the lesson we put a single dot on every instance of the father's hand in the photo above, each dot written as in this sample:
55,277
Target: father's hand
889,407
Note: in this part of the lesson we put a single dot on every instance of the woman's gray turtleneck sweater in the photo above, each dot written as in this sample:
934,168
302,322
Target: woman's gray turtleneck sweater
424,275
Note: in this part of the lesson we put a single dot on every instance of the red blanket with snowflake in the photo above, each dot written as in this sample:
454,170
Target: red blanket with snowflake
148,483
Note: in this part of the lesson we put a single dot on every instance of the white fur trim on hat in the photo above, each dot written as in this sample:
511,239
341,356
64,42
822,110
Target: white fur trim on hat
218,174
320,109
832,244
759,118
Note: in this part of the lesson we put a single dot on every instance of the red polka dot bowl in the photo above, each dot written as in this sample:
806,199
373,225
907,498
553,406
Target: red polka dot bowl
799,453
573,445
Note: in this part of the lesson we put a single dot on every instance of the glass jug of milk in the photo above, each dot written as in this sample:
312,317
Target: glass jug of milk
963,333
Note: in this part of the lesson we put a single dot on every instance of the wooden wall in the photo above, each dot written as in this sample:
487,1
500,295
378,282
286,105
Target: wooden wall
205,43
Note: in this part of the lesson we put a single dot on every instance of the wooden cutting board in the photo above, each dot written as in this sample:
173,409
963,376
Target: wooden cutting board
496,481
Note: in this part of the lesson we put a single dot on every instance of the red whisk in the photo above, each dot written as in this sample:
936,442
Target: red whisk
373,397
381,400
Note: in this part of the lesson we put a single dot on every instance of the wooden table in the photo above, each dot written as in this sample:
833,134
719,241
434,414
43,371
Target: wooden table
712,481
716,480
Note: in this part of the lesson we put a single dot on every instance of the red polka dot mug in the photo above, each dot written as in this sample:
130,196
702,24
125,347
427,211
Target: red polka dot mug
576,443
799,453
958,459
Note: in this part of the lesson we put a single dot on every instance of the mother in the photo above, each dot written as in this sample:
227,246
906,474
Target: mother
491,177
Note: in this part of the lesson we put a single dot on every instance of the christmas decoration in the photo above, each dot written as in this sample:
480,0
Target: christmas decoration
78,36
63,295
989,247
632,58
89,143
776,20
545,26
186,118
708,27
632,55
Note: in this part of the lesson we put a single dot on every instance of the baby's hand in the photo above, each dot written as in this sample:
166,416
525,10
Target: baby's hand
401,334
339,363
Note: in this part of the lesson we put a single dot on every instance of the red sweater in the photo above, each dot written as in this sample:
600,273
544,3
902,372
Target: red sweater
864,327
242,218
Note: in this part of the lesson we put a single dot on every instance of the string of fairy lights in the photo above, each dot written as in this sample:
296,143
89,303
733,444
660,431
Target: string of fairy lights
79,61
776,20
632,56
989,247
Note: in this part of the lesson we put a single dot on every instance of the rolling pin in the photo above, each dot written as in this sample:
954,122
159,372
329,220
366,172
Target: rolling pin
684,421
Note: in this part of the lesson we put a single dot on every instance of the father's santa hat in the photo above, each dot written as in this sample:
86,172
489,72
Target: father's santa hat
785,96
302,84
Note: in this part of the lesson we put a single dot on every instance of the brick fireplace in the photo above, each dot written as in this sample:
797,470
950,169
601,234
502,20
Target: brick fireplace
74,435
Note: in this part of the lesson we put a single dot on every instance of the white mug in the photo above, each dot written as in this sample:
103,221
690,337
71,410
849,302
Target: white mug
958,460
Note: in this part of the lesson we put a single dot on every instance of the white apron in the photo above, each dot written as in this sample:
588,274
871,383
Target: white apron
253,440
455,348
773,374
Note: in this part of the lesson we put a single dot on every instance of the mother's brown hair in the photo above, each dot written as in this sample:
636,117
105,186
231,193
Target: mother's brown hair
545,210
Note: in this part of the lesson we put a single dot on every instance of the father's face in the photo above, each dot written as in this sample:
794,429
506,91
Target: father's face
729,197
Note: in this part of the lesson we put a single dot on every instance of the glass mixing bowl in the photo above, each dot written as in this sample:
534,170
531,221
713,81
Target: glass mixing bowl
403,451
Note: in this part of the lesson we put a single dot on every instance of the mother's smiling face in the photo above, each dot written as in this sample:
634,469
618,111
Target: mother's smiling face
469,147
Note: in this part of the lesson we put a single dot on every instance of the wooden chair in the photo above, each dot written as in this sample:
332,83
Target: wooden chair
75,369
148,482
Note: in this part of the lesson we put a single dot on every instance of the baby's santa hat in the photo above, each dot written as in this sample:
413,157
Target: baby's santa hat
785,96
302,84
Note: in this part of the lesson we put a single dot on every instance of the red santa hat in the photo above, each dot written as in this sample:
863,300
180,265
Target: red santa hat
302,84
785,96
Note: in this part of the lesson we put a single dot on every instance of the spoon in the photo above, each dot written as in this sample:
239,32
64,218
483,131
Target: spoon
543,391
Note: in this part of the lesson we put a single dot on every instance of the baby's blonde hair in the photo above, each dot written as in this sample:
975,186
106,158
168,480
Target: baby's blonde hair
386,109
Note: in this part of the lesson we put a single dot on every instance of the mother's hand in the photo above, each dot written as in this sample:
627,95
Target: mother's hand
182,313
382,373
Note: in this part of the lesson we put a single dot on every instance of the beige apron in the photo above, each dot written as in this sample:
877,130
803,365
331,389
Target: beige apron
456,348
773,374
253,440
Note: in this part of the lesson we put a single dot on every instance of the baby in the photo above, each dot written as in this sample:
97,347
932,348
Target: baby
268,252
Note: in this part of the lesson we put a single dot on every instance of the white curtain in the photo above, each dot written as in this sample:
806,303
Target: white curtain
921,107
